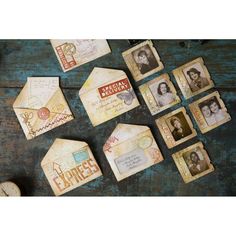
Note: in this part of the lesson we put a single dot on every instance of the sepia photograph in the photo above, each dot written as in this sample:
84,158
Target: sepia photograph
193,162
142,60
159,94
193,78
176,127
209,112
179,126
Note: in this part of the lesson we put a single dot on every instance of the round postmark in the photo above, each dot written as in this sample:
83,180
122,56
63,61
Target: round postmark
145,142
43,113
69,49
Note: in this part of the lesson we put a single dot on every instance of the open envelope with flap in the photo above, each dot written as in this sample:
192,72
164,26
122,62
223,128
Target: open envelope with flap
69,164
41,106
130,149
107,93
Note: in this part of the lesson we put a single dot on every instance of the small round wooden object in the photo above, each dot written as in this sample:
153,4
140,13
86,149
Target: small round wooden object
9,189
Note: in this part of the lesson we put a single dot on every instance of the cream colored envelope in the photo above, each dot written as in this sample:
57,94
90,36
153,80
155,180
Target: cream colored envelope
107,93
73,53
69,164
41,106
130,149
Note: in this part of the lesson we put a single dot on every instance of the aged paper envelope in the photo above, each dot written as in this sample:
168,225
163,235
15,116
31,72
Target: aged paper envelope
107,93
73,53
69,164
130,149
41,106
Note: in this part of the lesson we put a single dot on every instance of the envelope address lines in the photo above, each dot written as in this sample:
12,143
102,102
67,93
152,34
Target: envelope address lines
75,175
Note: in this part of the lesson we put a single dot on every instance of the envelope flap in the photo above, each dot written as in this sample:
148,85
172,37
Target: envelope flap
100,76
37,92
123,132
61,148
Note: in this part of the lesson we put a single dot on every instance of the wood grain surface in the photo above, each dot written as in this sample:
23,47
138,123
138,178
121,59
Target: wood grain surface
20,159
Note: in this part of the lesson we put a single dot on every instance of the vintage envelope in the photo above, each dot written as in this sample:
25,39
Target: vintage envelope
130,149
73,53
69,164
107,93
41,106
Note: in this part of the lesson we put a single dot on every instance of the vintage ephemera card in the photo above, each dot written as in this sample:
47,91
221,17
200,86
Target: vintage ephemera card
176,127
143,60
73,53
193,162
209,112
41,106
69,164
107,93
193,78
130,149
159,94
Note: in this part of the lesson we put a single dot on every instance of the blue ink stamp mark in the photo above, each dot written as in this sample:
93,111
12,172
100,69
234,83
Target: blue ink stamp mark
80,156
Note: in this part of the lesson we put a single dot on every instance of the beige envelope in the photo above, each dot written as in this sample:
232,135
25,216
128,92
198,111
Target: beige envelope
69,164
130,149
73,53
41,106
107,93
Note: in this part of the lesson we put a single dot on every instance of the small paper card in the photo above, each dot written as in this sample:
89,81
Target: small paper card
193,162
130,149
69,164
73,53
41,106
107,93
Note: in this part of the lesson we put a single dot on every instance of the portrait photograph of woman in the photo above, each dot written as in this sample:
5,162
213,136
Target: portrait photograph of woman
193,78
195,162
212,111
196,77
162,93
179,126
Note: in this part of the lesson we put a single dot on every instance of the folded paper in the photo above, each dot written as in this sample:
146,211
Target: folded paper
107,93
130,149
41,106
69,164
73,53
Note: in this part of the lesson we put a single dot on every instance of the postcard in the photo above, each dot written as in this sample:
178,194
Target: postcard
41,106
131,149
142,60
69,164
193,78
159,94
176,127
107,93
193,162
76,52
209,112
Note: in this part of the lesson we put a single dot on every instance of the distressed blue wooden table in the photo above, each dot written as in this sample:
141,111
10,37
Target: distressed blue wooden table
20,159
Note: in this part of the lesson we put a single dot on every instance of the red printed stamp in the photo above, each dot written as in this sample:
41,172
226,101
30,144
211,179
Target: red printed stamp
113,88
65,53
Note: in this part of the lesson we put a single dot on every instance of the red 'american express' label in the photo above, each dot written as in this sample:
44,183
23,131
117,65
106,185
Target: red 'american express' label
113,88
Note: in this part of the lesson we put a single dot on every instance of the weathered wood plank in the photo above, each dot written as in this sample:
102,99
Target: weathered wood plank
20,159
